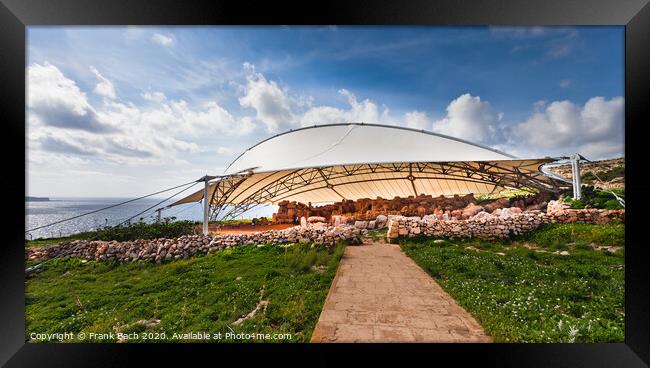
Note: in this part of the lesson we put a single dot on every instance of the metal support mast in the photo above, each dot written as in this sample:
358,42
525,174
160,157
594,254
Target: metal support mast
577,185
206,202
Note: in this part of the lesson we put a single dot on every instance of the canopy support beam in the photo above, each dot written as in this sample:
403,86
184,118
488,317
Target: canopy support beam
577,185
206,203
305,180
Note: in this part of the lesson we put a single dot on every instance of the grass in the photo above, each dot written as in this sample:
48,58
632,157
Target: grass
200,294
377,235
532,296
550,235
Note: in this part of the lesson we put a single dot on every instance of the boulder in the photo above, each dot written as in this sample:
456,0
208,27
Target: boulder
508,212
318,226
482,215
556,206
312,219
381,221
430,218
497,204
361,224
535,206
471,210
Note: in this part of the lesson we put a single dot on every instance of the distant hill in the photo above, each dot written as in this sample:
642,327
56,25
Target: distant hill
36,199
611,172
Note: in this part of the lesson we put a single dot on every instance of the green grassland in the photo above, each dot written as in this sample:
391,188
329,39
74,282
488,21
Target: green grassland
519,294
201,294
520,290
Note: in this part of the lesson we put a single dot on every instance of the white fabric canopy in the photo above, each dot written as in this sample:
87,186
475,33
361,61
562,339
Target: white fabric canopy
345,144
329,163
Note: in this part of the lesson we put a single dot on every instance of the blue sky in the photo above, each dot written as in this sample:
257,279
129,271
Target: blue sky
119,111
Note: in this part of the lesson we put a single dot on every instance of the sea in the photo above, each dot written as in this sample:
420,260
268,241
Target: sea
41,213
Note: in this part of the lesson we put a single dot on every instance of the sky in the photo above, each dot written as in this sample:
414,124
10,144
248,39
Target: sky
126,111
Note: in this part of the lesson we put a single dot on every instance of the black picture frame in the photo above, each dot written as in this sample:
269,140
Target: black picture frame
16,15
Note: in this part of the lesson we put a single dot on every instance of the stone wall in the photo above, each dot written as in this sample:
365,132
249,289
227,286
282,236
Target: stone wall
498,225
157,250
366,209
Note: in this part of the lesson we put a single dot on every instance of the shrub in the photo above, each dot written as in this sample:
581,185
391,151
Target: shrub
595,198
141,230
577,203
512,194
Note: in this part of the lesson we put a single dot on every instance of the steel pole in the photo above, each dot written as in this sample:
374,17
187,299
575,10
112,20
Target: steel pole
578,184
573,177
206,207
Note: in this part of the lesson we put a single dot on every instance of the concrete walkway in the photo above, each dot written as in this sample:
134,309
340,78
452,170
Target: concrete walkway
380,295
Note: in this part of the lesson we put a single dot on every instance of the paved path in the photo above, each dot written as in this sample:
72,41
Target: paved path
380,295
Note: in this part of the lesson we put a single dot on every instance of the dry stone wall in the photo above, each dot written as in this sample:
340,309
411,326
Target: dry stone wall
158,250
500,224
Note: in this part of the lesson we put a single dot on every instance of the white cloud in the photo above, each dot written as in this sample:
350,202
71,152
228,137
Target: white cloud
154,96
162,39
177,117
105,87
55,100
595,129
271,104
321,115
470,118
565,83
134,147
279,111
164,130
62,121
225,151
365,111
417,120
212,118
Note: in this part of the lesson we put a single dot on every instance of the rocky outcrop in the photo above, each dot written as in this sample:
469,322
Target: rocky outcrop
600,168
158,250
